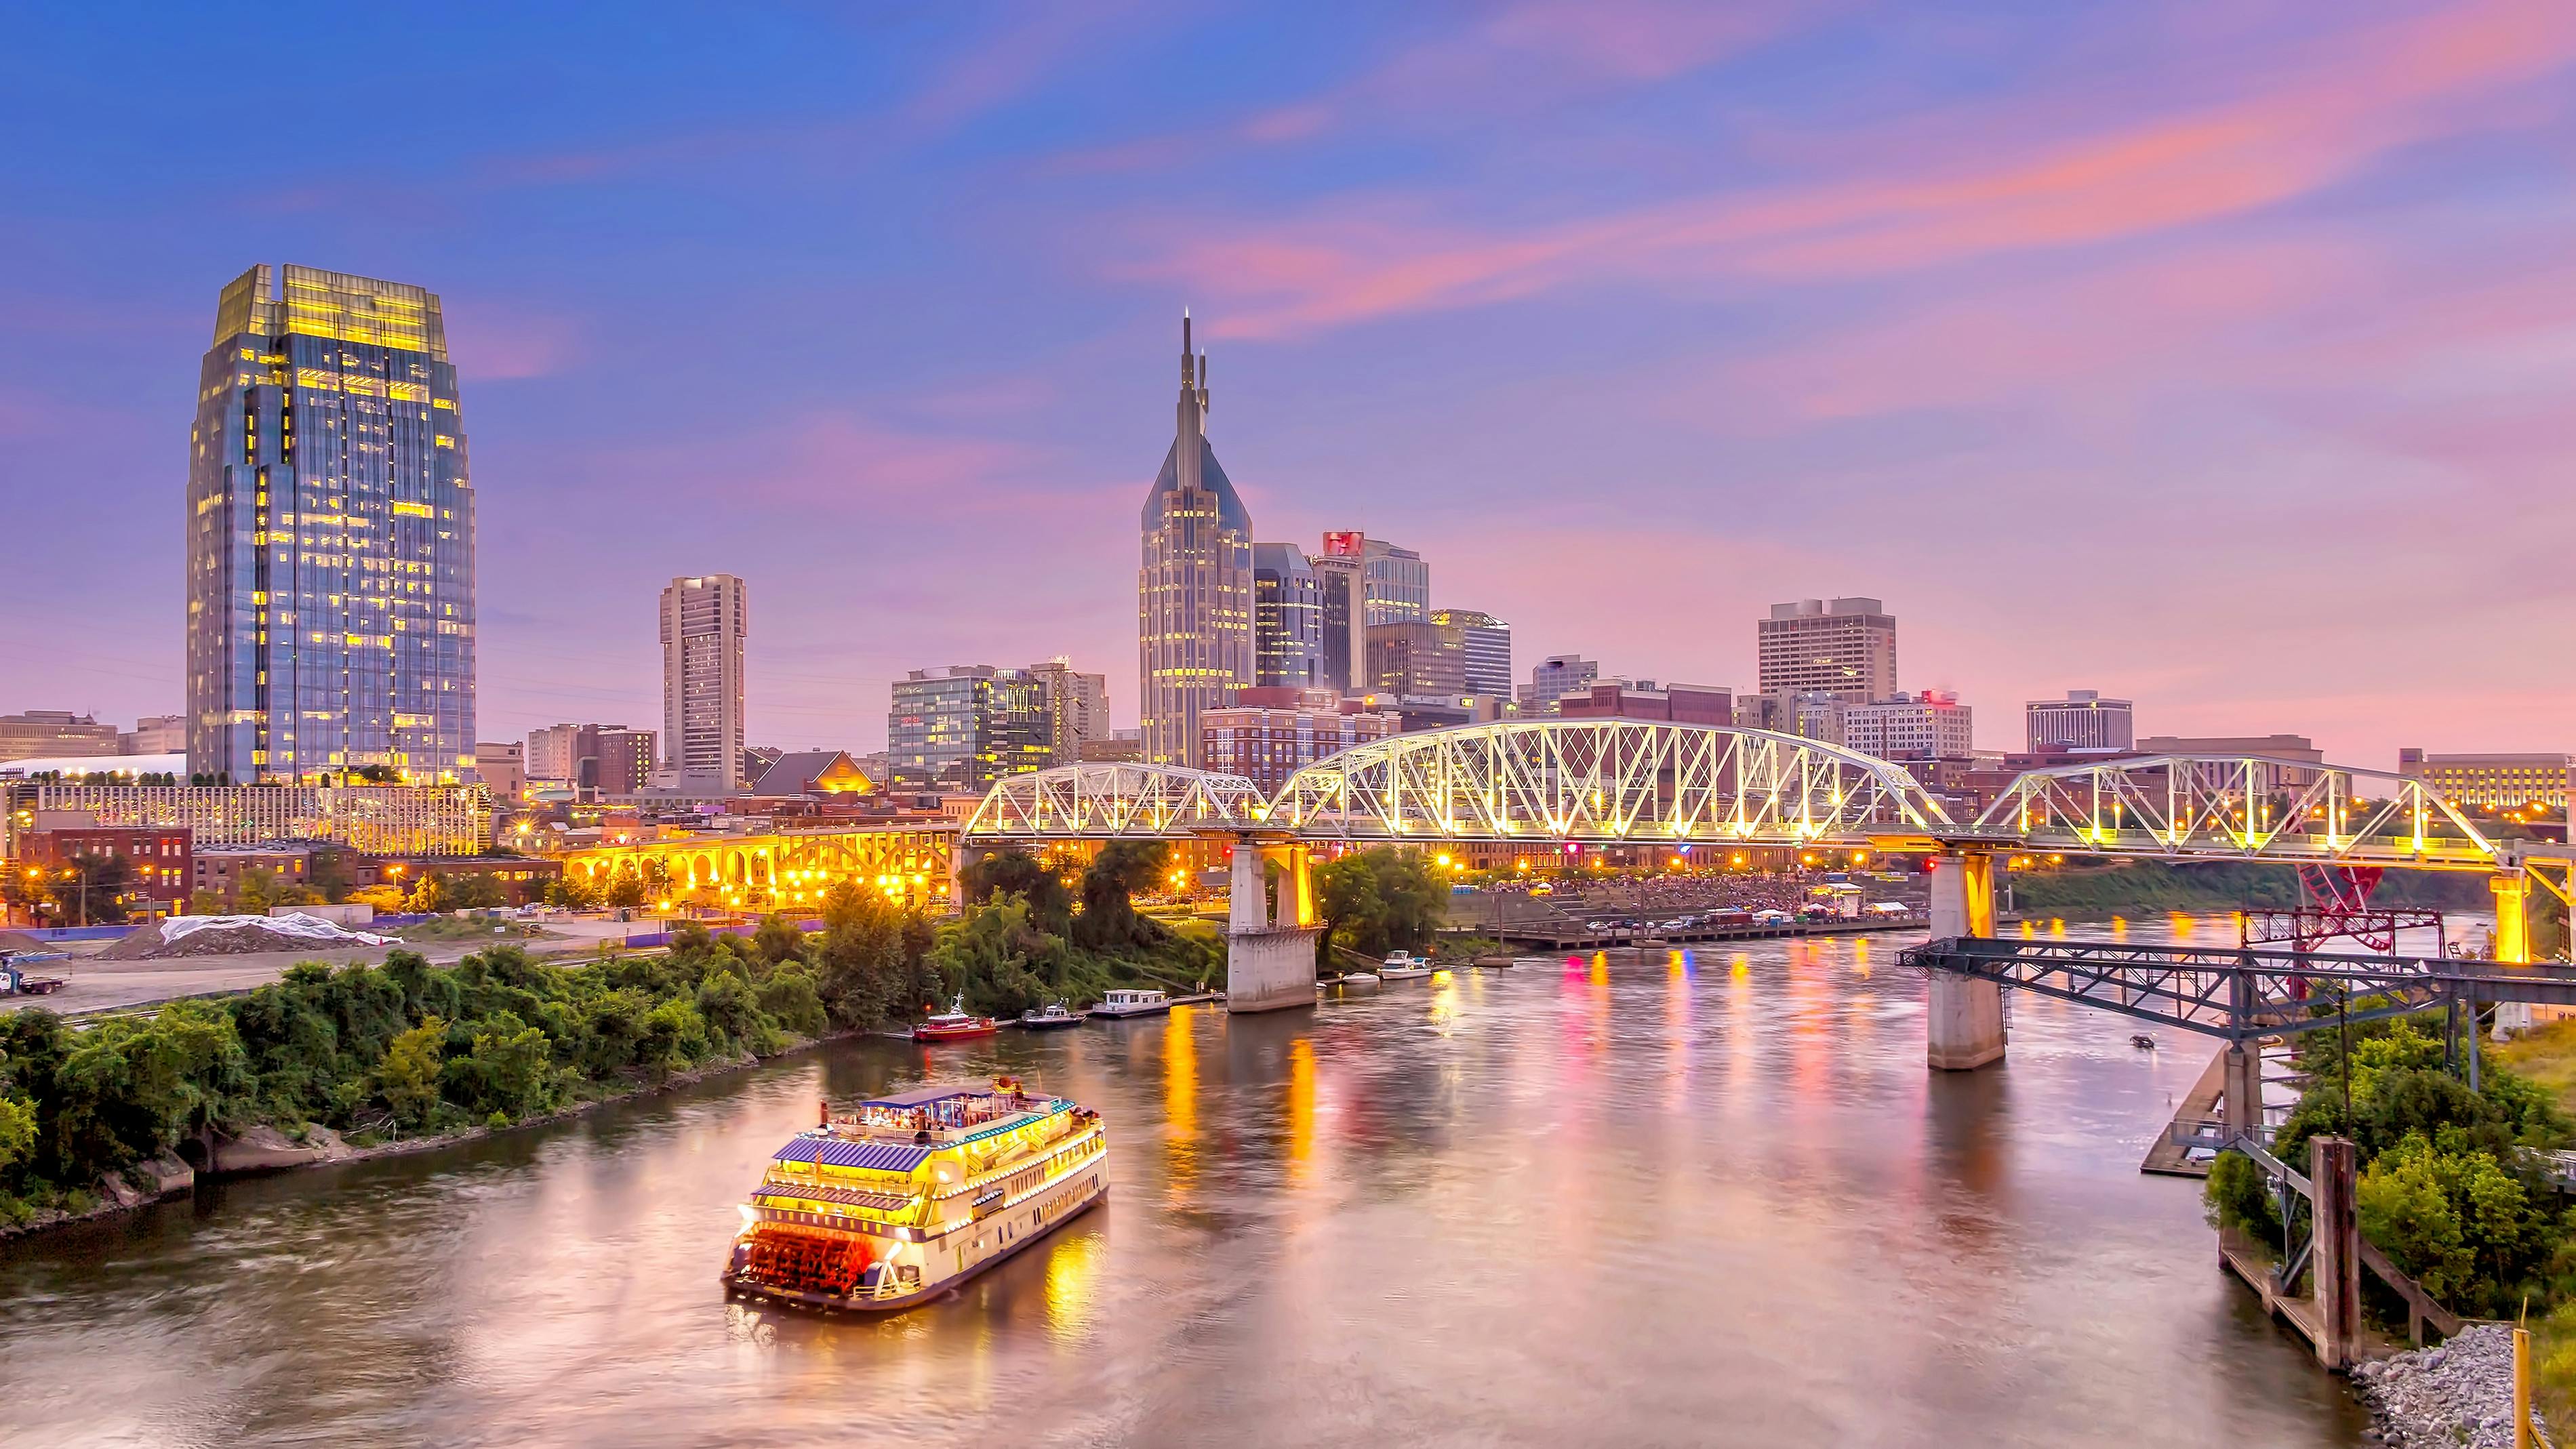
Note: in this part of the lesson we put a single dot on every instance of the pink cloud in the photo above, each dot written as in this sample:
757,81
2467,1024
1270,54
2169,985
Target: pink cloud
1995,190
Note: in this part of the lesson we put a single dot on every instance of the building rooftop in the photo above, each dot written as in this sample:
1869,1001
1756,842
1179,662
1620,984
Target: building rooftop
95,765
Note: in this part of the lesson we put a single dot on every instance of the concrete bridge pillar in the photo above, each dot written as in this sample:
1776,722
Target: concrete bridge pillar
1270,959
1964,1026
2240,1090
2512,944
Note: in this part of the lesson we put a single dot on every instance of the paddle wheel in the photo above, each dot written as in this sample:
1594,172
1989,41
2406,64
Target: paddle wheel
807,1262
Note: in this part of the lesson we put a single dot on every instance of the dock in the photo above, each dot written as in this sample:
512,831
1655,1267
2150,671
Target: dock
2197,1116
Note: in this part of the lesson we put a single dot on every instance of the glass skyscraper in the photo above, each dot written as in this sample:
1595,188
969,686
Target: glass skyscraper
330,527
1194,597
1287,618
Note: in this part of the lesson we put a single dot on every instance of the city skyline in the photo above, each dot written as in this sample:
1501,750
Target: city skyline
1862,430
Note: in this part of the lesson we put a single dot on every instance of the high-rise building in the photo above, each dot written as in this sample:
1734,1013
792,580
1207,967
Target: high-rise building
330,524
550,754
1928,725
2492,781
1287,619
1269,734
2293,752
1553,678
53,734
1416,658
704,623
1194,595
1341,583
964,726
1077,707
1846,648
2083,720
1399,584
1488,645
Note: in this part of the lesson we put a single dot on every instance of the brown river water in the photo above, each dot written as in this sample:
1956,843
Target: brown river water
1711,1197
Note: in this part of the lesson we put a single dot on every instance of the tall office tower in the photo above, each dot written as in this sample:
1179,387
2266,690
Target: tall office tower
1399,584
551,753
330,530
966,725
1341,588
704,622
1553,678
1287,618
1488,649
2083,720
1076,705
1846,648
1194,607
1416,660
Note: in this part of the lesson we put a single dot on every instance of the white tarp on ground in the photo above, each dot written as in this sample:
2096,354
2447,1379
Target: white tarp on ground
303,928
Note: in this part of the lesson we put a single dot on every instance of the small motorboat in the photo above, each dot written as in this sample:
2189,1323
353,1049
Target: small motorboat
2143,1042
1360,978
1127,1002
1051,1017
1401,966
954,1024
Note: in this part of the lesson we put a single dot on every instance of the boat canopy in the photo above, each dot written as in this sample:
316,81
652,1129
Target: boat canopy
841,1152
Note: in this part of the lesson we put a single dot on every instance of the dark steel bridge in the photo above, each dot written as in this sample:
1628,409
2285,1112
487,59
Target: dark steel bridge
2245,994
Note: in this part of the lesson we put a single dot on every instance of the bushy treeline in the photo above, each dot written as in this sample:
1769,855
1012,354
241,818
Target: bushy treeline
1034,932
2452,1186
409,1047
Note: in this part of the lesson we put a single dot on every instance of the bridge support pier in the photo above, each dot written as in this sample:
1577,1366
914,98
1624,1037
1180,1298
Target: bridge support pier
2240,1090
2512,892
1964,1019
1270,959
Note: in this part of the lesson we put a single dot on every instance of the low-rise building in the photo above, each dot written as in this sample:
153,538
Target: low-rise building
1707,704
503,769
155,734
2492,781
2294,750
1552,679
2082,720
156,860
1269,734
220,869
55,733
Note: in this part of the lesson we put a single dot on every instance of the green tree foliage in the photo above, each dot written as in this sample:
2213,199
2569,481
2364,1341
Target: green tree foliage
626,889
1011,872
477,891
1109,884
2450,1187
574,891
495,1038
428,894
1376,901
777,939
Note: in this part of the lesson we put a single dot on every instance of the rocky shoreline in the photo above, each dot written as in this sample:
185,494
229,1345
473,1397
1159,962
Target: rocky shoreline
265,1147
2458,1393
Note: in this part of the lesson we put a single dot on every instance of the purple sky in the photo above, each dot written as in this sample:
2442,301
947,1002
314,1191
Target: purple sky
2216,355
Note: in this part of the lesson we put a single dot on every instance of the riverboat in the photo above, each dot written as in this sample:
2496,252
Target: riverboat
954,1024
1403,966
913,1194
1125,1002
1051,1017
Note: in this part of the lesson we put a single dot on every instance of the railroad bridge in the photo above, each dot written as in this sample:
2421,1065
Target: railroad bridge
1637,782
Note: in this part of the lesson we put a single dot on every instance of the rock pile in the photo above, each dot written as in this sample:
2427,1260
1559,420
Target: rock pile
234,936
2457,1393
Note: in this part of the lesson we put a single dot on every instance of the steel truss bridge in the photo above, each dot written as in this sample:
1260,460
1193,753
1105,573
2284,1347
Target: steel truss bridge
1645,782
2243,995
1612,781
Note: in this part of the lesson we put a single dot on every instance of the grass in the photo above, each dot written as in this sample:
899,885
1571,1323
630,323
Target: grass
2547,1055
468,928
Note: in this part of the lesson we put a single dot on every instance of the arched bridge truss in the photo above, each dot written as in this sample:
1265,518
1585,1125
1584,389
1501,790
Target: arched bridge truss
2239,807
1595,781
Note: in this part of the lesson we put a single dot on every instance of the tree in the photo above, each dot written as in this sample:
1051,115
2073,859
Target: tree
428,894
329,871
777,939
407,1078
625,889
1012,872
477,891
205,903
1378,900
573,890
1122,868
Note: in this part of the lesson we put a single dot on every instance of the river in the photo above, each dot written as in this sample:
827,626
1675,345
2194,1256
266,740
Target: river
1710,1198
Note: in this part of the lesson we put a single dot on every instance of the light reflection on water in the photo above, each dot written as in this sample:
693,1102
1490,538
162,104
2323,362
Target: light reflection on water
1613,1199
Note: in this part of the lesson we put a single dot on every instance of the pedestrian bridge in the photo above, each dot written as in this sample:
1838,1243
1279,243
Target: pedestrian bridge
1646,782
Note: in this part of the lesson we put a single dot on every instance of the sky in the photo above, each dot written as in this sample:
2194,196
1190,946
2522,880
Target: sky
2215,355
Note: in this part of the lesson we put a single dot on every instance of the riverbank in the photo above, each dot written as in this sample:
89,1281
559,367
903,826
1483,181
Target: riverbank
138,1186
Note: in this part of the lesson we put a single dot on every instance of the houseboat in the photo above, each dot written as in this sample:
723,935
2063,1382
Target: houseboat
1126,1002
912,1194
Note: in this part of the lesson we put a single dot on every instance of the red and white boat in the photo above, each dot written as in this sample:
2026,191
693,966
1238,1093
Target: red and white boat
954,1024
